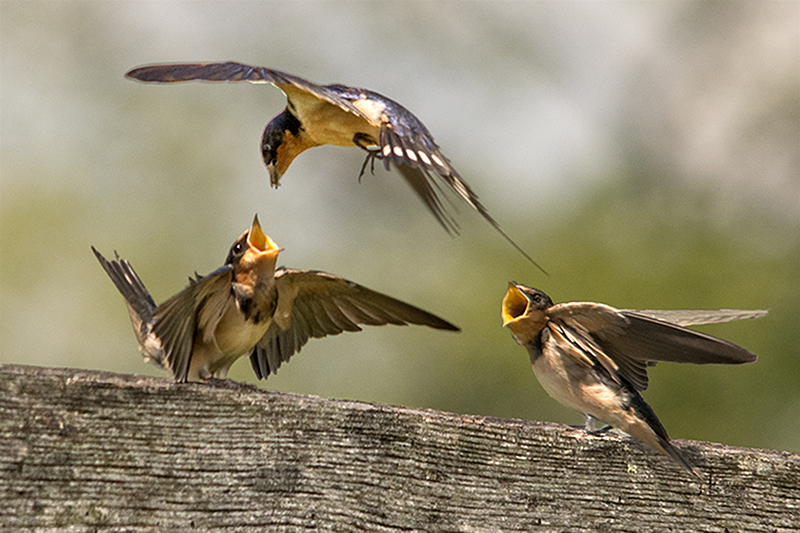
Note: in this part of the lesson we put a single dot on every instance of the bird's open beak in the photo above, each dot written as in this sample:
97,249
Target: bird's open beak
259,240
514,304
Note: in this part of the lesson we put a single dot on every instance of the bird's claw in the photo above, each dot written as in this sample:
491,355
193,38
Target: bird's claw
372,155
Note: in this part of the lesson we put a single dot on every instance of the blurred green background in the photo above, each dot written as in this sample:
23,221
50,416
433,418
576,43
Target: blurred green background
647,154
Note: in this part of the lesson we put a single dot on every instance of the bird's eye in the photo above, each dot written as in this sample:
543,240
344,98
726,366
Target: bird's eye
238,247
537,298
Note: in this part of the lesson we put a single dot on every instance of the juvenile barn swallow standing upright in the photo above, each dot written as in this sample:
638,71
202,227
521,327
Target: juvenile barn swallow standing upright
248,307
342,116
593,358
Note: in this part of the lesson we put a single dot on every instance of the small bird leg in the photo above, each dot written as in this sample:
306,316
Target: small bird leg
590,425
371,157
368,144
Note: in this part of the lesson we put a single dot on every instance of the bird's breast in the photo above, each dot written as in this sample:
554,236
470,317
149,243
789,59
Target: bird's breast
575,384
236,334
326,123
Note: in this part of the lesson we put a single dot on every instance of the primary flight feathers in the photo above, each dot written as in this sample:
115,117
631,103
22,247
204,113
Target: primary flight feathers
342,116
248,307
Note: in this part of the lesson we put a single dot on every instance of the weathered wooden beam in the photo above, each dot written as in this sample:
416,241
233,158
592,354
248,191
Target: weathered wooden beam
93,451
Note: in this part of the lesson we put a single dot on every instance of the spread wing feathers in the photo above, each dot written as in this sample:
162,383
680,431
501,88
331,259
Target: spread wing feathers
405,141
655,340
232,71
431,195
630,340
316,304
584,348
583,325
198,306
696,317
419,160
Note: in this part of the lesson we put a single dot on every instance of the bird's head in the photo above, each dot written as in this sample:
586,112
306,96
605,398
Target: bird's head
522,302
254,252
524,312
281,142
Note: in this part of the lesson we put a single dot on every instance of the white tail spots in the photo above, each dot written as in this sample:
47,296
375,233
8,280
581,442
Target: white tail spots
438,161
424,157
398,151
387,150
411,155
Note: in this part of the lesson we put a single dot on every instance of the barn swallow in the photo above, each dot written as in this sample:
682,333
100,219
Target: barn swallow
248,307
342,116
593,358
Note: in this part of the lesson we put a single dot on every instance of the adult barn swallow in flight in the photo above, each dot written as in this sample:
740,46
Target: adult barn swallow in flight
248,307
593,358
341,116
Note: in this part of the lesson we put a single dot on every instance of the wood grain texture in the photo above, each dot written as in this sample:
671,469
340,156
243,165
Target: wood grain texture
92,451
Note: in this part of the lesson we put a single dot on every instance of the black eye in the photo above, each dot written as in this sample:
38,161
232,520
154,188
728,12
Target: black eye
537,298
235,252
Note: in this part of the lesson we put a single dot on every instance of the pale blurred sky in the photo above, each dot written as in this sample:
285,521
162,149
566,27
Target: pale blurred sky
536,98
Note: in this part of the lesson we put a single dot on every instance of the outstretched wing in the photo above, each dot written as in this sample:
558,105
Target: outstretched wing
655,340
294,87
696,317
627,341
406,142
176,321
316,304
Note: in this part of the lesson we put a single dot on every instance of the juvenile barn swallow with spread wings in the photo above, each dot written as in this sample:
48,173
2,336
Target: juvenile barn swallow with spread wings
342,116
248,307
593,358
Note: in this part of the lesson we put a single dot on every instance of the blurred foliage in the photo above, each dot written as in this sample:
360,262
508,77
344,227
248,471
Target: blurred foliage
653,166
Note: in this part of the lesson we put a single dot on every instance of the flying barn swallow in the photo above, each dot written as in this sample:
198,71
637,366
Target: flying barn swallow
342,116
248,307
593,358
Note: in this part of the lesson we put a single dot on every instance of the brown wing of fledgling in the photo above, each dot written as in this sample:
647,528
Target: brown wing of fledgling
656,340
317,304
197,307
630,340
696,317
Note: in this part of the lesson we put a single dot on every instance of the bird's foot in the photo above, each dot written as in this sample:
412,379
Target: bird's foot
368,144
371,157
590,426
